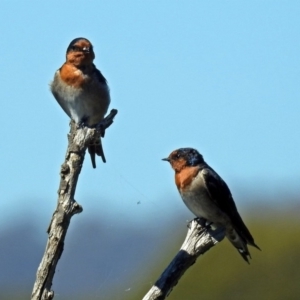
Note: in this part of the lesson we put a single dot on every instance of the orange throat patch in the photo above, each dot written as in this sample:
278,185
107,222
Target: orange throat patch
71,75
184,178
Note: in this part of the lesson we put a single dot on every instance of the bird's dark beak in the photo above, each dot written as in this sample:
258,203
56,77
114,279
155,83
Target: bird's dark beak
166,159
86,50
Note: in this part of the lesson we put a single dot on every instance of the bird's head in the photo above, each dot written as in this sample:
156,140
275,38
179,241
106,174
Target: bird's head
184,157
80,52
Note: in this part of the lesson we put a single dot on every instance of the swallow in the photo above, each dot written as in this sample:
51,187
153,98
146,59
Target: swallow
81,90
208,197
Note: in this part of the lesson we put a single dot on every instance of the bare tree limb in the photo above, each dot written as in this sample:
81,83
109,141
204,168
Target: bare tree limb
79,138
198,240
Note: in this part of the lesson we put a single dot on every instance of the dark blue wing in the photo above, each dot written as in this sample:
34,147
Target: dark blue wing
219,191
99,76
221,195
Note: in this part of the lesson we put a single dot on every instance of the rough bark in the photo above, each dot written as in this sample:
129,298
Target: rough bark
198,240
79,138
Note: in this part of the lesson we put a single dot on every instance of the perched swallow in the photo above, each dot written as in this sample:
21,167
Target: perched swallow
81,90
208,197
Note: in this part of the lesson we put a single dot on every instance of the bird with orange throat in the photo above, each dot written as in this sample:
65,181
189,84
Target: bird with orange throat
81,90
208,197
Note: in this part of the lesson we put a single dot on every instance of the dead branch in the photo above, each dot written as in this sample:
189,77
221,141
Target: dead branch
198,240
79,138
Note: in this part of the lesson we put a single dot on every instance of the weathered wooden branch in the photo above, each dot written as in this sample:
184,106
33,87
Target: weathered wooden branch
198,240
79,138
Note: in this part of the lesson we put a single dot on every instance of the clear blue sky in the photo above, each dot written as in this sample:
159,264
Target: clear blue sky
220,76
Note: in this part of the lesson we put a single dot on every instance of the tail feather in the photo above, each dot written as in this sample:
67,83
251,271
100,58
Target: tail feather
243,231
99,150
245,255
92,152
242,234
240,244
96,148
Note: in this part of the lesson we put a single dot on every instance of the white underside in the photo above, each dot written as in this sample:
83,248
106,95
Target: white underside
91,103
198,200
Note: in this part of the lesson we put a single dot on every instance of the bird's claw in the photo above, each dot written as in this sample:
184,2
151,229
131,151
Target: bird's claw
203,223
81,125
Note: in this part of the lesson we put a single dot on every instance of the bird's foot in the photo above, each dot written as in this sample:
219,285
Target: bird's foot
201,221
204,223
82,123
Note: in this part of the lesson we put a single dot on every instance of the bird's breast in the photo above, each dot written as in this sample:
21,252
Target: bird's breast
86,101
72,76
197,198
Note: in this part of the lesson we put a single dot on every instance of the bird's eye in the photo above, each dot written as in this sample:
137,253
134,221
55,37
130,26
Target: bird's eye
75,48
